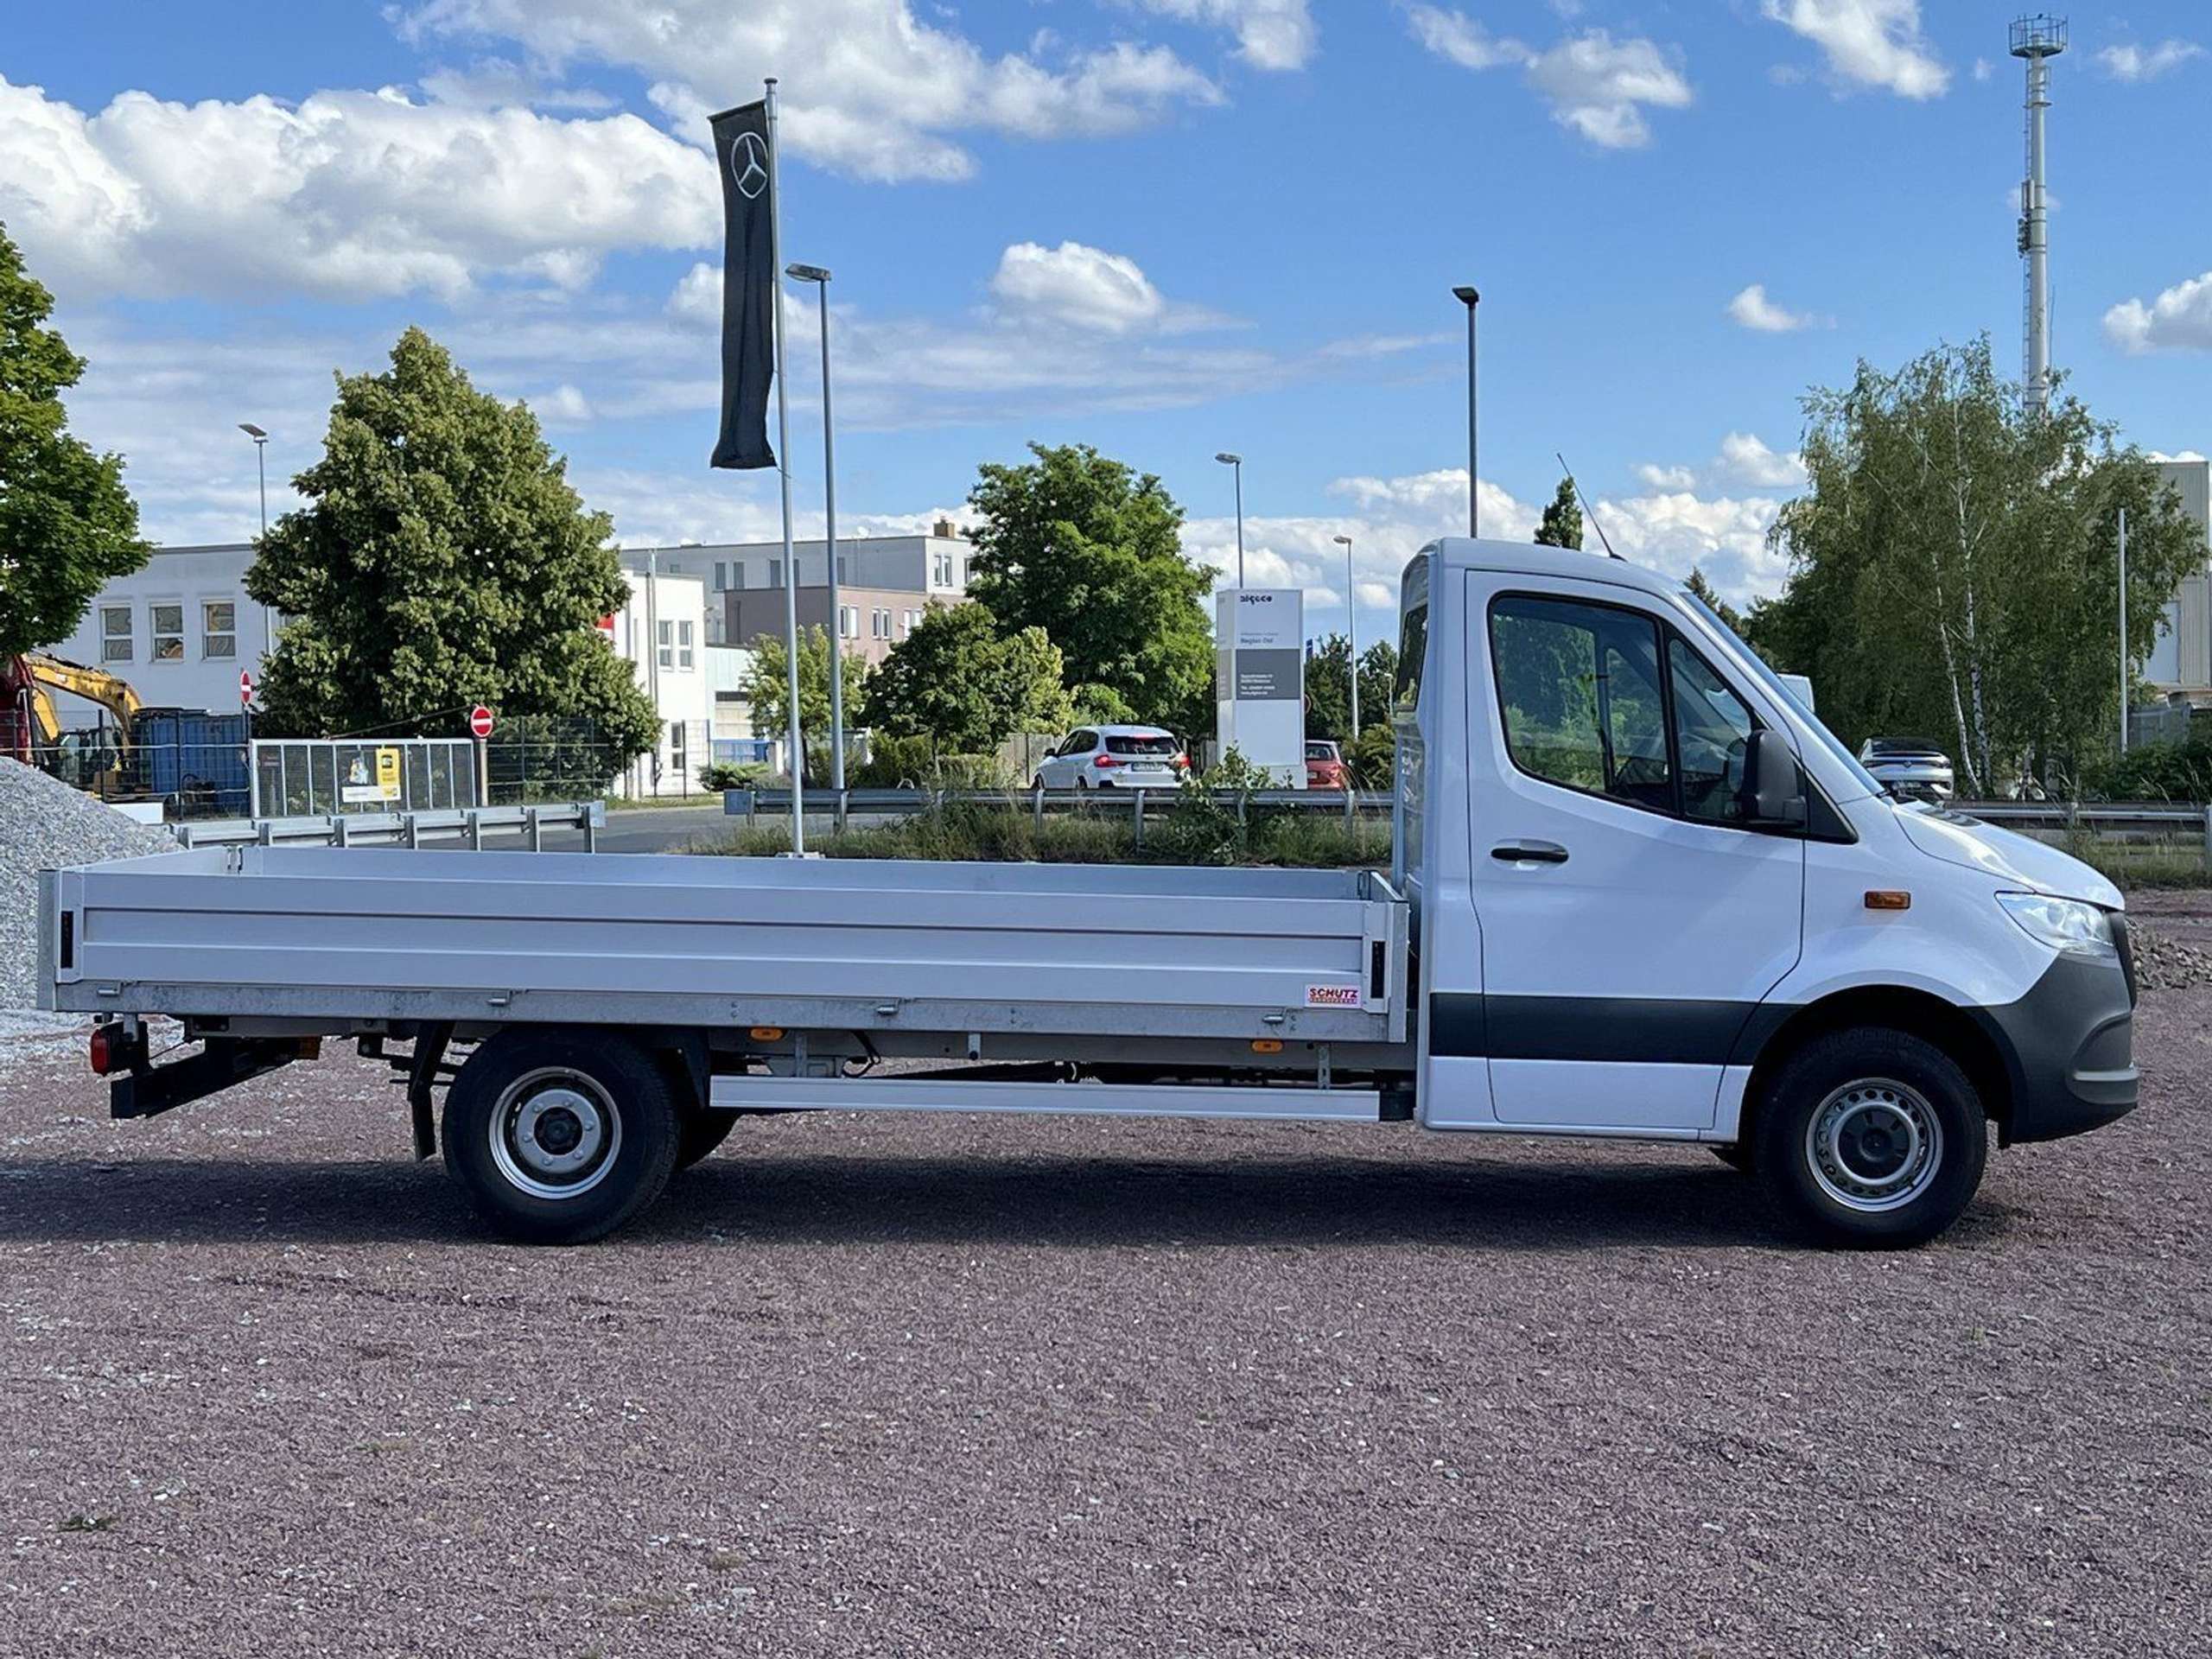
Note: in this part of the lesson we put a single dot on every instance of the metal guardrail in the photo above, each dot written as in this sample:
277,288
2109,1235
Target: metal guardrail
755,803
470,825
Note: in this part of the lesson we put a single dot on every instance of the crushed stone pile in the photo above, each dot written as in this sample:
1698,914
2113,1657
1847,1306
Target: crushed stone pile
45,825
2164,963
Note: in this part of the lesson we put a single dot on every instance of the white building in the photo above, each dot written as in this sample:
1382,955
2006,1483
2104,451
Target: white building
2180,664
181,629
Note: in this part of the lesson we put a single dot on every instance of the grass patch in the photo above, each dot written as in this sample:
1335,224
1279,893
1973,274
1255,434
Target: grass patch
2130,865
1192,831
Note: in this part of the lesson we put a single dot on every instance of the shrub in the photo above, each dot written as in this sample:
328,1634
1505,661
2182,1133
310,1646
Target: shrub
718,775
2154,772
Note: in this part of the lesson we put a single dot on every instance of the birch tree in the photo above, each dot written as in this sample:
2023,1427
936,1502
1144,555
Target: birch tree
1953,569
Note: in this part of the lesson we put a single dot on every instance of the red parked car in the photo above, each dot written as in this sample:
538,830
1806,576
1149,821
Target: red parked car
1325,766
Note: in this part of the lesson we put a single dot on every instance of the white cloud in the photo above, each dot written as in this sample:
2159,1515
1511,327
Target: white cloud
1868,42
1270,34
1082,286
563,406
349,193
867,87
1595,85
1599,86
1724,536
1745,457
2132,63
2179,319
1753,311
1983,69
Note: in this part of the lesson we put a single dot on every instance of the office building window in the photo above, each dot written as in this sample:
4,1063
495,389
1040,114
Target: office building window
941,570
679,760
665,643
737,572
722,575
684,642
880,622
166,626
848,621
775,573
218,628
115,633
840,568
911,619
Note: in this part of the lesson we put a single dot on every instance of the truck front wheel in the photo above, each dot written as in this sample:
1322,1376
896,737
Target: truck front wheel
1871,1138
560,1137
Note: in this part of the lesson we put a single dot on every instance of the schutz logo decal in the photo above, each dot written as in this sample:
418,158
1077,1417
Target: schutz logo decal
1332,996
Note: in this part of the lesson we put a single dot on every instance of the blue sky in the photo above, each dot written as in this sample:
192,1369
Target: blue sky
1166,227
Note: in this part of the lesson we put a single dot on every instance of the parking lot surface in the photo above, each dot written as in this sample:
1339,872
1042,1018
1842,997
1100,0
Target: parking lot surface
904,1386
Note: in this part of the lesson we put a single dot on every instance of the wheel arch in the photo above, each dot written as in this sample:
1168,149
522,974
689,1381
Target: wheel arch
1958,1032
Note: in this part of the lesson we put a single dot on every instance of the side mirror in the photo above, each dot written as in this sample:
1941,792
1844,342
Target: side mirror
1774,788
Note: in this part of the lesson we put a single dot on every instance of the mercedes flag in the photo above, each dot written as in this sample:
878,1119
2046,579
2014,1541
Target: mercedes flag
748,286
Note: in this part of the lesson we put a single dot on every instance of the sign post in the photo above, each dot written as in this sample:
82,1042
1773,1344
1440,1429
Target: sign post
479,727
1259,679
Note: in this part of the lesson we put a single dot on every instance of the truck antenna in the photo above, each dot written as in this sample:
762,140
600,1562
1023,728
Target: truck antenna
1585,500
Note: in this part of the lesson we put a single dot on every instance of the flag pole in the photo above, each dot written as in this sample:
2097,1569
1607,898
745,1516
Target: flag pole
784,476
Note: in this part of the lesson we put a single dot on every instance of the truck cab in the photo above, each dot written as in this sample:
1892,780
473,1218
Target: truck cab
1654,897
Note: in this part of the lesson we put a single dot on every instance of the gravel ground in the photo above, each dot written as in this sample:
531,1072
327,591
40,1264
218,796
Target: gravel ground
893,1385
44,825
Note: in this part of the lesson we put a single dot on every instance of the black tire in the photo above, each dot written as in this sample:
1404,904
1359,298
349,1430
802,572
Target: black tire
1736,1156
1870,1138
698,1132
600,1101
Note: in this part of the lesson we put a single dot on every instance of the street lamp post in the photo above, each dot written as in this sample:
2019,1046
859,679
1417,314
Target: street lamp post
261,467
1351,626
1468,297
820,278
1235,464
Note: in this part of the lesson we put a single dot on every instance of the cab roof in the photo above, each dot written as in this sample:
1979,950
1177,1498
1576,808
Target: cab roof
1527,559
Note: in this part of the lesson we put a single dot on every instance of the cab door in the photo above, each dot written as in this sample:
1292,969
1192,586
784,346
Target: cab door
1631,919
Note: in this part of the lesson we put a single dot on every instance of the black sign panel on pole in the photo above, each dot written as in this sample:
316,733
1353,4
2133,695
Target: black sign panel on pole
741,140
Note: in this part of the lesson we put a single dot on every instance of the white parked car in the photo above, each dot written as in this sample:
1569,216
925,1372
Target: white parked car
1114,757
1911,768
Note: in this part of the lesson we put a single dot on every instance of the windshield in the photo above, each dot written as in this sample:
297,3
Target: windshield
1321,751
1755,665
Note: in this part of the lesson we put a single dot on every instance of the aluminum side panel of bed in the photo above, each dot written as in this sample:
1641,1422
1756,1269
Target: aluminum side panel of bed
363,933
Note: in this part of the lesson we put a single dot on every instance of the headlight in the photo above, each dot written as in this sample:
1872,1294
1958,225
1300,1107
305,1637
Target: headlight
2062,924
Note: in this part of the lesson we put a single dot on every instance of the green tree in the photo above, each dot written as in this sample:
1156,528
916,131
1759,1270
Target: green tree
1954,565
443,559
767,689
1091,553
957,681
67,526
1721,608
1562,522
1328,687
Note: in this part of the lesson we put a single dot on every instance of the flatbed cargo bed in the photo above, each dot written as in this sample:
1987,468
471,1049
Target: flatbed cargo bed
348,935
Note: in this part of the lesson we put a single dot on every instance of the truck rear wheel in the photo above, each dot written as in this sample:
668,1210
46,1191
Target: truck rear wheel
1871,1138
560,1137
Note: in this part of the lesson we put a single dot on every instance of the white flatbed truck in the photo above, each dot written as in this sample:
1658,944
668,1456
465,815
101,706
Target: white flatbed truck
1636,891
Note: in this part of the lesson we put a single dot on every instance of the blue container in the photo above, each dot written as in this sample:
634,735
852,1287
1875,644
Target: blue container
193,759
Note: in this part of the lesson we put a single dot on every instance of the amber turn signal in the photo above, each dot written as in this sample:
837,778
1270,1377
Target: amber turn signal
1888,899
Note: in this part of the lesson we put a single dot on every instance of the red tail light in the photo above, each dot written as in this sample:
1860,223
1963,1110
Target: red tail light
1182,763
106,1050
1104,761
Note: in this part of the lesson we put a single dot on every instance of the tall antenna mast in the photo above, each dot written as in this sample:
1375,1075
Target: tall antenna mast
2039,39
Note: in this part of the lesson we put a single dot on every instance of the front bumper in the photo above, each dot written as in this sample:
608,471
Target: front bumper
2069,1049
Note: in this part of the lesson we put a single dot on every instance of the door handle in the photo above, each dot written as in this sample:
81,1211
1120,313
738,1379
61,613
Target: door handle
1529,851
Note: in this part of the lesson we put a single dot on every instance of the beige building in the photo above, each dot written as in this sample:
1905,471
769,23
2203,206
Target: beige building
885,584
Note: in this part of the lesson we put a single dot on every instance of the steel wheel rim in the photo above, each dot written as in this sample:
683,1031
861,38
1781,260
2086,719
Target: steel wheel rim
1874,1144
555,1134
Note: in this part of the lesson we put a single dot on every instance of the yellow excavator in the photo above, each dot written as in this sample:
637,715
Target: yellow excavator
30,725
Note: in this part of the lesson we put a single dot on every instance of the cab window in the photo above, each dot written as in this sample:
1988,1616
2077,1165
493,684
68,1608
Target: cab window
1582,694
1712,731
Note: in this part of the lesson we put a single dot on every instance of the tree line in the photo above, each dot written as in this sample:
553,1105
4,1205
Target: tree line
1952,572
